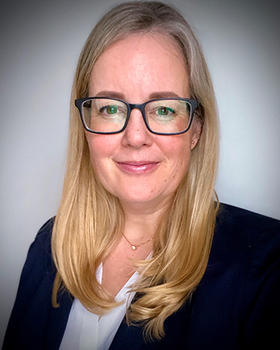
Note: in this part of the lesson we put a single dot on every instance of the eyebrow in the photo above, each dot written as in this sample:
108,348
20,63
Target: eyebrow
157,94
109,94
163,94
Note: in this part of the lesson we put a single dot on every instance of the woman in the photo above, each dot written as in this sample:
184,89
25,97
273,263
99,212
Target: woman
138,257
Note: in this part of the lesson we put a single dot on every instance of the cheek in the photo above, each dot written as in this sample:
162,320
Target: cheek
177,148
101,145
100,149
177,152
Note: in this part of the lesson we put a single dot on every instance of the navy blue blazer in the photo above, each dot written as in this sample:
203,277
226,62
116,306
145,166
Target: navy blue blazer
236,305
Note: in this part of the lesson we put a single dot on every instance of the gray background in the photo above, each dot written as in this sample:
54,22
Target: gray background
40,44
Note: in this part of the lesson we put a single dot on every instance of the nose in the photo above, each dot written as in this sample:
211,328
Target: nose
136,133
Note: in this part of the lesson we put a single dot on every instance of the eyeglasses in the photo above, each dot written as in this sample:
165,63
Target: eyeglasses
162,116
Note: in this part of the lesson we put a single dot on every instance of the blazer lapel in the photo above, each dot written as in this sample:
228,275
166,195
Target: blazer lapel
176,335
57,321
128,337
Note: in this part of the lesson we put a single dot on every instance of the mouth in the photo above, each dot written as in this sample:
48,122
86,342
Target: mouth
141,167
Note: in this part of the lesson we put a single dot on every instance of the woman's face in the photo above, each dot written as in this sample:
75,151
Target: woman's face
142,169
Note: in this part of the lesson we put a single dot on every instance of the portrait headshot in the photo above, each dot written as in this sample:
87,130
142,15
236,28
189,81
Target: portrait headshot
140,175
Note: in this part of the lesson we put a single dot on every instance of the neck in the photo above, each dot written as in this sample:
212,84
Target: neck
141,222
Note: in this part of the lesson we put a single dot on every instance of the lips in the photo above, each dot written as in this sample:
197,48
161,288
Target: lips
140,167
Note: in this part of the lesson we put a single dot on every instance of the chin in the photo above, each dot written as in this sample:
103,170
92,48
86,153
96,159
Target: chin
148,199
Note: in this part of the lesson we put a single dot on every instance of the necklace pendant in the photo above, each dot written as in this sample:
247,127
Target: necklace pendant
133,247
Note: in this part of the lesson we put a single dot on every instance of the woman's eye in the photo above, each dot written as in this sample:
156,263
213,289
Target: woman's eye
111,109
164,111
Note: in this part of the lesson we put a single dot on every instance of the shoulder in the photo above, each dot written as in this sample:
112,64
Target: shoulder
39,264
245,241
43,237
254,245
39,257
240,230
33,300
243,219
245,250
239,293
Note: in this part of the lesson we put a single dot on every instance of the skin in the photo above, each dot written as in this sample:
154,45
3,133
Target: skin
142,169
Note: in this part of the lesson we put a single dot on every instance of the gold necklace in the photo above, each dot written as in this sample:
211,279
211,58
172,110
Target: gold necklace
135,246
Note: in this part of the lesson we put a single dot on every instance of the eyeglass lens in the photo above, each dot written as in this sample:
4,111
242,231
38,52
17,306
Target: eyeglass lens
162,116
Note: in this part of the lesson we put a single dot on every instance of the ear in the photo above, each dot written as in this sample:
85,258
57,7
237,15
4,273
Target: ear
196,132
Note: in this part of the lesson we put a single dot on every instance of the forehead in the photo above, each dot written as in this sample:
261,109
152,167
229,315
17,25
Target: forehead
141,60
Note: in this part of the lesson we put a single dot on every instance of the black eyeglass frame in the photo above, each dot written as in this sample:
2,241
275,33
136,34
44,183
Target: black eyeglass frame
130,106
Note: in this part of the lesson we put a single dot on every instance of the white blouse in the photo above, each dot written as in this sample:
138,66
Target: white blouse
85,330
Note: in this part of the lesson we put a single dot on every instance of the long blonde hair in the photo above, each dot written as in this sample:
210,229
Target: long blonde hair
90,219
